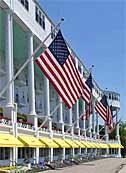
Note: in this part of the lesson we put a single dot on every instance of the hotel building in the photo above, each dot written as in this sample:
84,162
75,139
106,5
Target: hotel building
30,99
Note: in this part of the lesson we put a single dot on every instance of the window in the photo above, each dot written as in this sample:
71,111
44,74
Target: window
52,32
39,17
43,152
4,153
109,96
25,3
16,96
36,14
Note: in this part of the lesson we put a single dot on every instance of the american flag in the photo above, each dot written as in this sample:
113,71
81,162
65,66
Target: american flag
102,107
110,121
87,90
87,96
86,114
58,66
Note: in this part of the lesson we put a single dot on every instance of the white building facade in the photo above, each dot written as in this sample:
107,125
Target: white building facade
30,99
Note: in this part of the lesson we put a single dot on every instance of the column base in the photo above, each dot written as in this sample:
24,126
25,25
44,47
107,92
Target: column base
94,136
9,105
33,119
60,122
32,113
50,124
118,138
8,111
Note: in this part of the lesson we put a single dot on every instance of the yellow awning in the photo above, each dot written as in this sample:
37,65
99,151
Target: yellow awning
61,143
103,145
121,146
7,140
114,145
31,141
72,143
80,144
49,143
86,144
97,145
92,145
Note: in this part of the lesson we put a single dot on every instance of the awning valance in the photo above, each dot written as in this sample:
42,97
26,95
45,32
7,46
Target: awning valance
7,140
80,144
31,141
49,143
86,144
61,143
115,145
71,143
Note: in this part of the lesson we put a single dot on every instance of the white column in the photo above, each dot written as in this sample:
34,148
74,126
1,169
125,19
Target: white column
117,133
61,114
90,125
64,153
31,85
77,114
70,121
9,64
51,154
73,152
97,125
11,156
83,111
47,103
37,155
46,96
93,118
106,138
60,110
83,106
77,106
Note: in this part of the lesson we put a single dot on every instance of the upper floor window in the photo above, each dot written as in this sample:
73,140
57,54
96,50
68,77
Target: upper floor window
39,17
79,68
25,3
52,32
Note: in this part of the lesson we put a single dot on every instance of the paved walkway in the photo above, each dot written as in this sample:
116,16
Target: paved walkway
109,165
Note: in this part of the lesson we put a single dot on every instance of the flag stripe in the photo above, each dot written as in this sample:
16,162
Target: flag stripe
57,77
99,110
54,83
87,93
74,72
73,77
62,74
76,93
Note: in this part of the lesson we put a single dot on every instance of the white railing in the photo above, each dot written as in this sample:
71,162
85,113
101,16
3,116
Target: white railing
5,122
44,129
57,131
26,126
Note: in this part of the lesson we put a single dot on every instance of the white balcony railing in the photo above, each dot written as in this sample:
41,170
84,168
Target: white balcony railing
5,122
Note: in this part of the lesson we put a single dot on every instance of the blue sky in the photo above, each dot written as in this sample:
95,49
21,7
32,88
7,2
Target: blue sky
95,29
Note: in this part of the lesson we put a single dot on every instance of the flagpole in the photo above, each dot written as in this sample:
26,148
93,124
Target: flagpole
29,58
